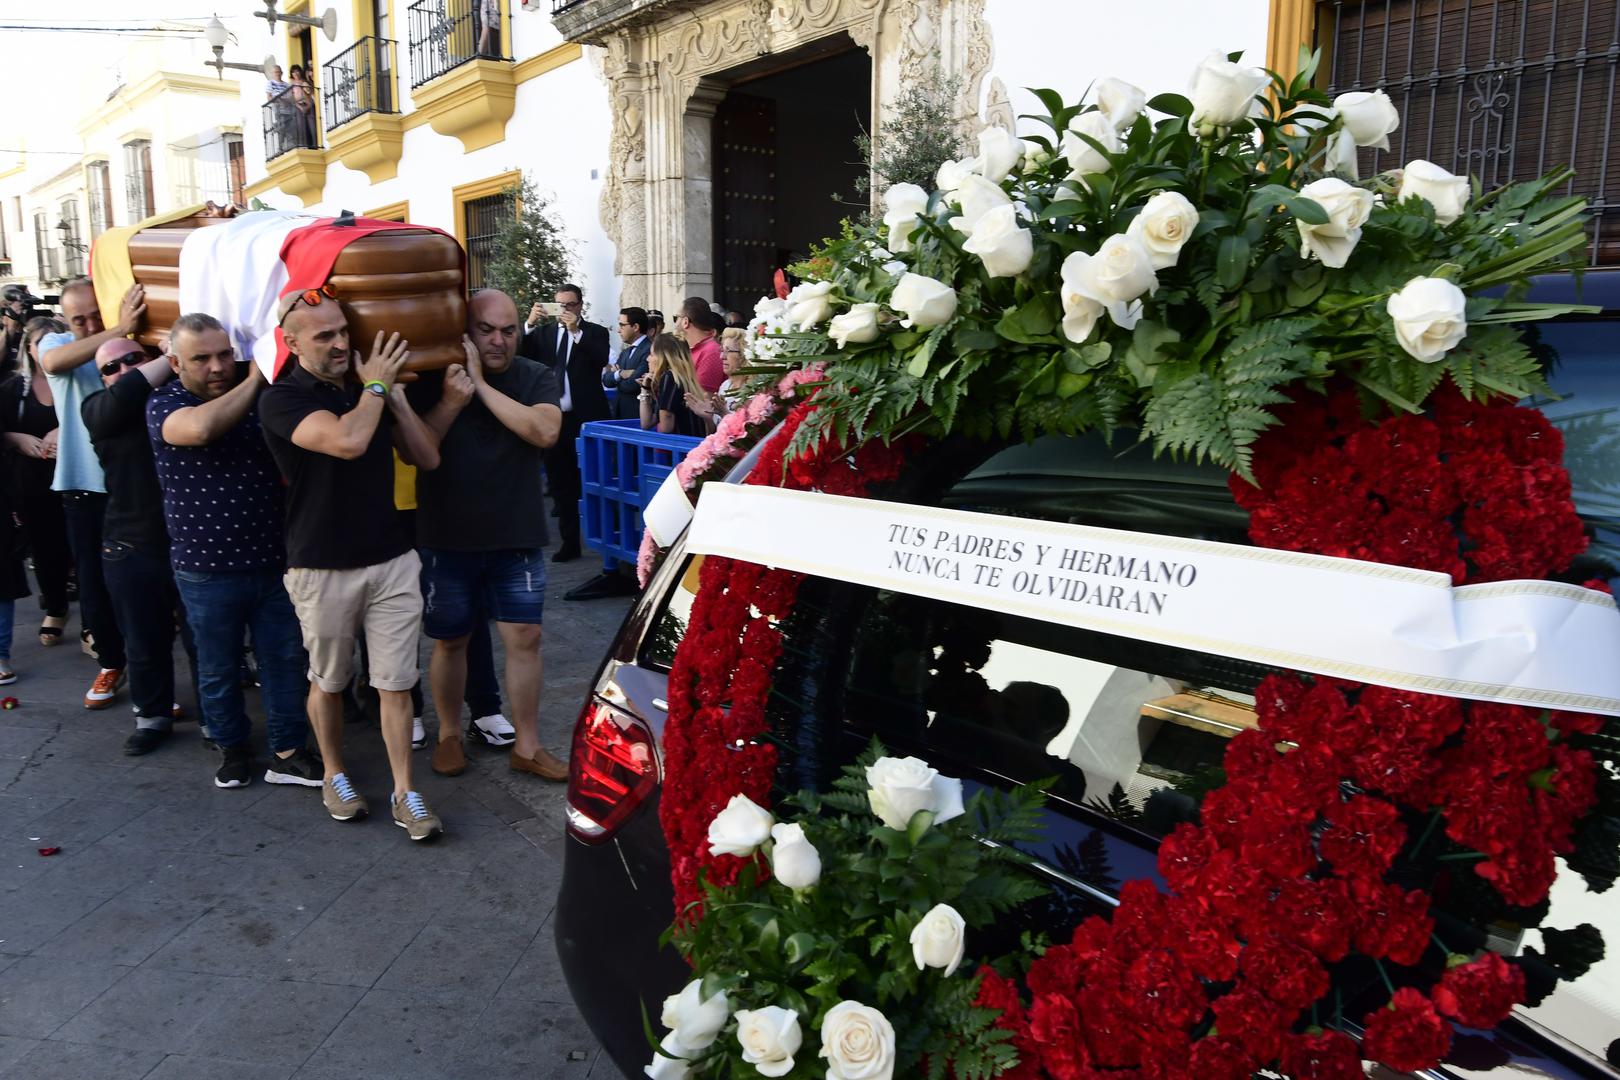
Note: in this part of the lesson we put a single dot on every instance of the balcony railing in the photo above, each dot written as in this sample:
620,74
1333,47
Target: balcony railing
448,33
1502,91
289,122
359,80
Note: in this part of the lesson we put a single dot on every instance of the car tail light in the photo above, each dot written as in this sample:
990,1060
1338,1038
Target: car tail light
612,770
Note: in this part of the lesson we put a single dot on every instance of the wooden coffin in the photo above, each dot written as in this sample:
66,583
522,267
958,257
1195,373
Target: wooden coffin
404,281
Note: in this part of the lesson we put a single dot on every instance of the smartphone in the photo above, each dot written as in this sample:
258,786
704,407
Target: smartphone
551,309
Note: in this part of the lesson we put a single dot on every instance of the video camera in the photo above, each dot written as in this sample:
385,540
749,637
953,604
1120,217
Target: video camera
32,305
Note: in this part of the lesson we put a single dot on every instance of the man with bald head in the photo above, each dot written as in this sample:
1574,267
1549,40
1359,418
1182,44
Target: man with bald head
481,525
67,360
350,564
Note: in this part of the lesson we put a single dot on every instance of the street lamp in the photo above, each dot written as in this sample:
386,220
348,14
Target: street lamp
66,229
327,22
217,36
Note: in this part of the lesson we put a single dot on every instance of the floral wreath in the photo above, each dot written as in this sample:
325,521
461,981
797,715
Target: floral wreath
1221,282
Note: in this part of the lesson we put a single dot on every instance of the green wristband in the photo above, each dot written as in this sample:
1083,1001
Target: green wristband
382,387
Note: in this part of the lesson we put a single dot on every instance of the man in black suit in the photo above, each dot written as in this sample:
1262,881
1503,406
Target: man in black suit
624,374
578,352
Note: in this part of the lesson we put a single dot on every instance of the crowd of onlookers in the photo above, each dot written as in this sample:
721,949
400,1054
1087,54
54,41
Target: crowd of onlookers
302,533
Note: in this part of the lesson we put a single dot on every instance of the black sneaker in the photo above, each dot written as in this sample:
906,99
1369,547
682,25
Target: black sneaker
301,767
237,769
144,741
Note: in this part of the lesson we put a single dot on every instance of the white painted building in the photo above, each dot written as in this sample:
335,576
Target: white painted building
156,133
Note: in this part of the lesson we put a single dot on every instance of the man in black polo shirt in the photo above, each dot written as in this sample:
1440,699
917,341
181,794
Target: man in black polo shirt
481,524
350,562
134,541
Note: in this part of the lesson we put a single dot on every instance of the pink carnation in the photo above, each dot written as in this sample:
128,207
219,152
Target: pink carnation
732,427
760,408
645,557
793,379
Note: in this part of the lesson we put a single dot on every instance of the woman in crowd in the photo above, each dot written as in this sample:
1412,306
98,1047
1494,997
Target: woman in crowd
28,421
303,96
666,388
713,407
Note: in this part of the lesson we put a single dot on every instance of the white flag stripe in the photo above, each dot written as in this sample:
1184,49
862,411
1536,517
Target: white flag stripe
234,272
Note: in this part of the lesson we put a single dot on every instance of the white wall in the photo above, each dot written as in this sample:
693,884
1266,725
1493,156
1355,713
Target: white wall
1155,44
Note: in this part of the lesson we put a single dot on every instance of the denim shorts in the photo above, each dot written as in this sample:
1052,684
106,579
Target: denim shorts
511,586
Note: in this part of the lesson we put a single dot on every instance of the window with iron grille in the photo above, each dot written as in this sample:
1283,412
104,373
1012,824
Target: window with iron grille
1500,89
235,170
481,225
138,179
73,245
44,253
98,180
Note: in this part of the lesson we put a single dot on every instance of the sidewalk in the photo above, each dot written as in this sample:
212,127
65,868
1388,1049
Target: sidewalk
185,931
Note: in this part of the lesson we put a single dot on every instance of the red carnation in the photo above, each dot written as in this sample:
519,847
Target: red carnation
1326,1055
1318,915
1407,1034
1251,1018
1054,1025
1480,994
1287,974
1363,837
1392,923
1220,1059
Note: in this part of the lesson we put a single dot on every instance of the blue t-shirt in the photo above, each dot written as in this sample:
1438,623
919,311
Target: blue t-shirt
224,502
77,467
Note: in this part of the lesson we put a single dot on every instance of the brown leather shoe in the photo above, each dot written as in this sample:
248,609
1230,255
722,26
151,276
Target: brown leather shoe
448,757
542,764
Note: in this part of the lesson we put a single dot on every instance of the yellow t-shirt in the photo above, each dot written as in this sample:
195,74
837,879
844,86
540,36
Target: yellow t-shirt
404,484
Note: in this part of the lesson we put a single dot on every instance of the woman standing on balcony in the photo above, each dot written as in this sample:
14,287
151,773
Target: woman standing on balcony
489,32
303,96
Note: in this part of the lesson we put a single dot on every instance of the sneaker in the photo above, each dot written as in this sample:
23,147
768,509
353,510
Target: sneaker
177,711
342,801
8,674
300,767
448,757
104,689
87,643
411,813
418,734
237,769
144,741
495,730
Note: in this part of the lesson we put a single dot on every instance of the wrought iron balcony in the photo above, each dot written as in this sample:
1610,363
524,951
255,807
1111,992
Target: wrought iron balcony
446,34
1500,91
289,122
358,81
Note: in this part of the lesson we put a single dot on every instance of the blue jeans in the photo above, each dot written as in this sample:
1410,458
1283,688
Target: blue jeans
221,607
8,619
149,611
509,587
83,511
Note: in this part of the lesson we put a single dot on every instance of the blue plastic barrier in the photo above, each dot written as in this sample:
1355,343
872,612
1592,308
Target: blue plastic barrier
620,469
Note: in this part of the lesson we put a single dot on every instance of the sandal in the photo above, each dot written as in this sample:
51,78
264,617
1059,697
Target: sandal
52,634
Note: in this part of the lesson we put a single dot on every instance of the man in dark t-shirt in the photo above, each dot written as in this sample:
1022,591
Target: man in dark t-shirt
481,526
349,561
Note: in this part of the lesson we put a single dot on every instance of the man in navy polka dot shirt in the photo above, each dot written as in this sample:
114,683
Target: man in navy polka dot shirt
223,503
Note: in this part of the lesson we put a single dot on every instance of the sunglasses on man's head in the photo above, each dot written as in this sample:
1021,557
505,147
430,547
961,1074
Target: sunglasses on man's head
311,297
113,366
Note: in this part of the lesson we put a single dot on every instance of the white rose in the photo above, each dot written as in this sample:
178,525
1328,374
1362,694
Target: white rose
925,301
1163,227
999,151
1120,272
740,828
952,173
810,303
1369,117
769,1038
1223,93
669,1063
770,310
858,1043
694,1023
859,324
902,205
1347,209
1080,312
1425,180
1339,157
1005,249
939,940
1035,156
1431,317
1121,102
1084,158
977,197
900,787
794,860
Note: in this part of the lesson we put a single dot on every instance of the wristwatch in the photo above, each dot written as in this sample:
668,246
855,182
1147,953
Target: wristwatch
378,387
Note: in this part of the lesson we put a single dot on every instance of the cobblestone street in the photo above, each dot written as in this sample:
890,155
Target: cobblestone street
184,931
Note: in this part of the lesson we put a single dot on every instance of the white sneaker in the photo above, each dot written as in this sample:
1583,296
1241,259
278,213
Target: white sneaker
495,730
418,735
